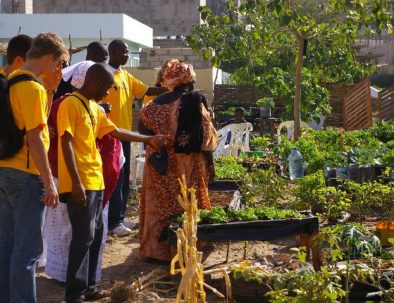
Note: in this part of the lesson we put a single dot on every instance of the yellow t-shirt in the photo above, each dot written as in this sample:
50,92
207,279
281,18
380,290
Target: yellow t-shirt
73,118
2,72
121,95
29,105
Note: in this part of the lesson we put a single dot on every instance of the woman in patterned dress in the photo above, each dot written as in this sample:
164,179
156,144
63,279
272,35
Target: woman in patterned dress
189,151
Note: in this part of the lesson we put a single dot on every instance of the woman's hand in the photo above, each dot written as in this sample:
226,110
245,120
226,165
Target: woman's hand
157,141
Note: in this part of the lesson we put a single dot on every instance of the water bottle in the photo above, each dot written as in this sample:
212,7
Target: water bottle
296,165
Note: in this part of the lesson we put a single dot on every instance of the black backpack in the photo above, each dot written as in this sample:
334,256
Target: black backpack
11,137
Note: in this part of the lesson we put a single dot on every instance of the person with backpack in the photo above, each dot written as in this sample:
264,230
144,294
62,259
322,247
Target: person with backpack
16,53
80,122
26,182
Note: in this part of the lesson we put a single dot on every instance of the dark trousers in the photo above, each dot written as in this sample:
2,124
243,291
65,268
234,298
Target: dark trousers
87,234
118,201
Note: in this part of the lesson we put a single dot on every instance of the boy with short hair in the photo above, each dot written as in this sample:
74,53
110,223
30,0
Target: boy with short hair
16,53
80,122
26,183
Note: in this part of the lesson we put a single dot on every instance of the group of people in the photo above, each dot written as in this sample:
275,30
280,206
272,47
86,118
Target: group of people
76,150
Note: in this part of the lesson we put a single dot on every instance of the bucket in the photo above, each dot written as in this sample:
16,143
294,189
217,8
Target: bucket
385,230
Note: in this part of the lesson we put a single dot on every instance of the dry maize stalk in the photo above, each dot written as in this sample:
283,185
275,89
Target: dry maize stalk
191,287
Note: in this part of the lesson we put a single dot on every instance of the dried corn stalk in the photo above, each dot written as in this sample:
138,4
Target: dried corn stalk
191,287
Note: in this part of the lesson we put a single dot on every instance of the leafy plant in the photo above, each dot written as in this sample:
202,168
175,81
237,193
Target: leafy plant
264,187
307,287
216,215
227,168
370,198
308,190
220,215
266,102
260,143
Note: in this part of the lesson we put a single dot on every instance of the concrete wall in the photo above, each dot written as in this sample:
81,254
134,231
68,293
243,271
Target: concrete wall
20,6
204,81
166,17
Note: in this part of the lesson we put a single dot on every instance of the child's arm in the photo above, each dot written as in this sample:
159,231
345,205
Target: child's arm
125,135
78,191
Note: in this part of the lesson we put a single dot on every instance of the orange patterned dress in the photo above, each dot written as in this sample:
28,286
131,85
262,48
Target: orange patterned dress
159,193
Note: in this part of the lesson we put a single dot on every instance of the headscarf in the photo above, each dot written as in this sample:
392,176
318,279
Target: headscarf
177,73
77,73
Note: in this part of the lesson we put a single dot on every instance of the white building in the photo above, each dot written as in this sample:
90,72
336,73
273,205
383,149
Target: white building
81,29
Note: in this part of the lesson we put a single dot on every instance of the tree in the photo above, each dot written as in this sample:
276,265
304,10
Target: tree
290,48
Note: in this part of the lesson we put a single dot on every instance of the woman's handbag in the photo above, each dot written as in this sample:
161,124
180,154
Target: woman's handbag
159,160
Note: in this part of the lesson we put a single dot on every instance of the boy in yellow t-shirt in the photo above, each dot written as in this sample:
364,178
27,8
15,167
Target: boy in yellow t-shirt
81,184
17,49
120,97
26,183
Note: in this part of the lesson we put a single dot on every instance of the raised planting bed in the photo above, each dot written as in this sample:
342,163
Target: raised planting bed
257,230
225,185
264,230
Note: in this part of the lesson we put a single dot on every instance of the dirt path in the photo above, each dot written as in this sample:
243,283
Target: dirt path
121,262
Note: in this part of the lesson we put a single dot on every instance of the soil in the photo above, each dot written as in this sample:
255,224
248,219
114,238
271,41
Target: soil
121,264
221,198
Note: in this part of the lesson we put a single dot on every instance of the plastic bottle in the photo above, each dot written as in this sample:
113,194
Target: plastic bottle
296,165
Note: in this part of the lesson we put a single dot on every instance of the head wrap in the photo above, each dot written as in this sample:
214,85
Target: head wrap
77,73
177,73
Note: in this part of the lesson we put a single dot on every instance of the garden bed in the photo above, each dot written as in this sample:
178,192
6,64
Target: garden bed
225,185
262,230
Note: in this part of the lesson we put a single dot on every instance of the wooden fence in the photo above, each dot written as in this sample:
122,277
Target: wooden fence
350,103
351,106
386,104
226,95
357,107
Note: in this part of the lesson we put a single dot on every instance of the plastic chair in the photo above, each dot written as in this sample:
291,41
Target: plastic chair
223,147
290,129
137,162
239,139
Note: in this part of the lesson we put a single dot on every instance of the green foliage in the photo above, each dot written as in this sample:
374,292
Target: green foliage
348,241
318,148
264,187
308,190
383,131
227,168
220,215
260,143
307,287
257,42
323,148
370,199
266,102
334,203
216,215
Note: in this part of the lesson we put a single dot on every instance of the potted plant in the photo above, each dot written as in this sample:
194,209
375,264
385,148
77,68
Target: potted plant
265,104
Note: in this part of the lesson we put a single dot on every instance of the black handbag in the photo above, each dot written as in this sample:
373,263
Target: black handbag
159,160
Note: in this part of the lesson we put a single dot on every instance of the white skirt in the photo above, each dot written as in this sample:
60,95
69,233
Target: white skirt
57,239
